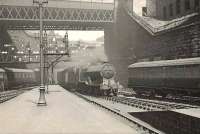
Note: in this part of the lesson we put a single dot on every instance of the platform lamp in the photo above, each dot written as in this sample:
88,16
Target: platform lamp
41,101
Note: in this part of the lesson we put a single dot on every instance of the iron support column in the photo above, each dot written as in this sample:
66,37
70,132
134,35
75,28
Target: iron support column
42,100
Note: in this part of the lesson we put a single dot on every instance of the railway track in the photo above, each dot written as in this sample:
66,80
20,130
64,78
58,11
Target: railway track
150,105
7,95
174,99
142,127
183,99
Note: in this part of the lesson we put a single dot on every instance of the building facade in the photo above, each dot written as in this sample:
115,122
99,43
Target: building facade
128,41
171,9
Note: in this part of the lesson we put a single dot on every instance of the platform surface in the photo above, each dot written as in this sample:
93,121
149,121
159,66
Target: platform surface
195,112
65,114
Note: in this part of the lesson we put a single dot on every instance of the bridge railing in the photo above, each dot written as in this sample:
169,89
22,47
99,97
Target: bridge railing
80,4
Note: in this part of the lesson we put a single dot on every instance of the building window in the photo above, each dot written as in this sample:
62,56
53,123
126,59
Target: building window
170,9
164,13
187,5
178,6
196,4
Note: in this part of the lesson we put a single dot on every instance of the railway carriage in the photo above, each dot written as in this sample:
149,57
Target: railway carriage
3,80
68,78
19,77
170,77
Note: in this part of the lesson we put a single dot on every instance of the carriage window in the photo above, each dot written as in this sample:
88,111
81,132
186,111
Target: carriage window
178,6
1,75
192,71
187,5
164,12
196,4
171,9
17,75
133,73
178,71
141,73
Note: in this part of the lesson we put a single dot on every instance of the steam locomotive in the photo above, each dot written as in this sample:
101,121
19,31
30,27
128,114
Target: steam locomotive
179,77
87,81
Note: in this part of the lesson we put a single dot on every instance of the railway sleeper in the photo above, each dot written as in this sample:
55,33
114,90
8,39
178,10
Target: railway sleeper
138,125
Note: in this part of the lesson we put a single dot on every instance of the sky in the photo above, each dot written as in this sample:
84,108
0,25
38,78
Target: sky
137,6
82,35
92,35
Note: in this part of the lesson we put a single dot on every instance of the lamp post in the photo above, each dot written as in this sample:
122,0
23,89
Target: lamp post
45,42
41,101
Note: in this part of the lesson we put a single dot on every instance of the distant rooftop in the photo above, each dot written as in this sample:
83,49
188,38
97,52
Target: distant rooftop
154,25
168,23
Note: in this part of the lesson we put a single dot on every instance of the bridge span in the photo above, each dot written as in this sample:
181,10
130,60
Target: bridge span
57,15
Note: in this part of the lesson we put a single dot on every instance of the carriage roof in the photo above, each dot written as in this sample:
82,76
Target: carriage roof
164,63
20,70
2,70
36,70
96,68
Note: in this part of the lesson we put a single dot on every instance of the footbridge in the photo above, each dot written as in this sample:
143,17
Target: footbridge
57,14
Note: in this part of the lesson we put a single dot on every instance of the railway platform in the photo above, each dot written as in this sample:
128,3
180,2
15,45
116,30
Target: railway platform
65,113
194,112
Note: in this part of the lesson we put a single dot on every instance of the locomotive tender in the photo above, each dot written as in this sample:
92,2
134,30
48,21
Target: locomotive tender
86,81
170,77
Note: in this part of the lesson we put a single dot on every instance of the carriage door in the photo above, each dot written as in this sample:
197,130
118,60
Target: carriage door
66,77
1,82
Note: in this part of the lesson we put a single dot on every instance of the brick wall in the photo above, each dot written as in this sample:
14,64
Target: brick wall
170,9
151,8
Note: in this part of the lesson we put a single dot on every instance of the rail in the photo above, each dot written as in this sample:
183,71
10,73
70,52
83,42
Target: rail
149,105
7,95
156,30
143,127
